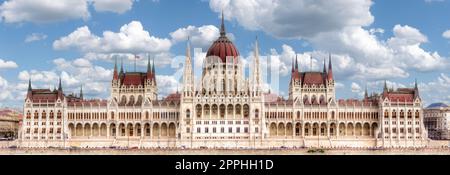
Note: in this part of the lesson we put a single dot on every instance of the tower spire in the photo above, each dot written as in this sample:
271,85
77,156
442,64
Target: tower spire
188,47
81,92
385,89
293,64
153,71
222,27
366,95
416,89
121,66
153,66
188,78
149,68
115,76
415,84
257,70
29,85
296,62
330,68
60,85
324,66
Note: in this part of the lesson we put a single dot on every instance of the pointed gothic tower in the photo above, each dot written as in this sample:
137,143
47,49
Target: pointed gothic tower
60,90
256,72
30,90
81,93
188,75
416,90
296,79
331,90
330,69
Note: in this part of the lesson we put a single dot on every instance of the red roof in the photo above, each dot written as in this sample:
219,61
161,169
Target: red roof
88,103
401,95
356,102
222,48
134,78
173,97
316,78
44,95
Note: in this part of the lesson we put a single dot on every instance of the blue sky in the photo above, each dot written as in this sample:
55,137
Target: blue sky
371,41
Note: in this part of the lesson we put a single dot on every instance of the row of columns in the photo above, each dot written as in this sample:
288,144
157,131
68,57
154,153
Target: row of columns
315,130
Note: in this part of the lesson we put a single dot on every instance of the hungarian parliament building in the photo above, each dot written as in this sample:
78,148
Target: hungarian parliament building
223,110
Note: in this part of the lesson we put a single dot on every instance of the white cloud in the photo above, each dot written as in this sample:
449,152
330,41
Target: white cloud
7,64
376,30
117,6
407,35
170,84
341,30
408,53
296,18
199,36
4,90
437,90
35,37
73,73
43,11
355,87
80,62
132,38
446,34
38,76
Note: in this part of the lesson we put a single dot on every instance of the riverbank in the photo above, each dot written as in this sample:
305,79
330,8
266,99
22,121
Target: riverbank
57,151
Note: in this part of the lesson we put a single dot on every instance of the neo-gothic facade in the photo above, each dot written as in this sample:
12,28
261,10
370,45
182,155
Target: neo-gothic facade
225,109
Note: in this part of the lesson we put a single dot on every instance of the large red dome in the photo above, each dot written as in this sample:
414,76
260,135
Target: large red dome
222,47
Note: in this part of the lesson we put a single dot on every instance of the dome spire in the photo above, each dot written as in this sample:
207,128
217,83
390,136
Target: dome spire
222,27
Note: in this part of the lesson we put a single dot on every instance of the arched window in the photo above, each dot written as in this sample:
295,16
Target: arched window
256,113
59,115
188,113
238,109
246,110
44,115
305,99
28,115
313,99
52,115
322,100
222,111
214,109
36,115
198,110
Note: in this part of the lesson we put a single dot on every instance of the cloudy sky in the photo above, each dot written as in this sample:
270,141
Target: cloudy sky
370,41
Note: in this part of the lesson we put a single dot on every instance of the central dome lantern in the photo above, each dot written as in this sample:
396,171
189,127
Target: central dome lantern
223,47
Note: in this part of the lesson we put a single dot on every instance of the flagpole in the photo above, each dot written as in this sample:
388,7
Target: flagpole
135,60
